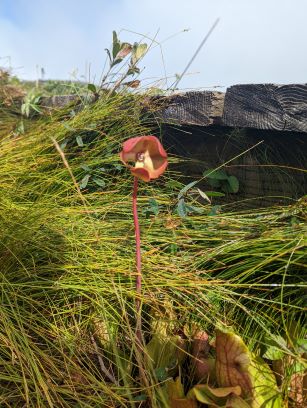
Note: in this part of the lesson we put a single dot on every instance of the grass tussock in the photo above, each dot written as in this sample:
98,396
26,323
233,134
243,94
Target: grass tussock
68,270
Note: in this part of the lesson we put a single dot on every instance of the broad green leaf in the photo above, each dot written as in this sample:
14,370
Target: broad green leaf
63,144
92,88
215,194
36,99
100,182
265,390
154,206
231,185
66,126
276,340
79,141
182,208
35,108
216,174
186,188
84,181
298,367
115,39
161,373
276,345
165,352
301,345
115,45
273,353
173,249
215,183
85,167
138,51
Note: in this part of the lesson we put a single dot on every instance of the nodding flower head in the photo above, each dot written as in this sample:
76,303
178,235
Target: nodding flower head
148,156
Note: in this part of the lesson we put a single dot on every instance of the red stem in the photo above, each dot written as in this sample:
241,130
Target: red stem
138,262
138,326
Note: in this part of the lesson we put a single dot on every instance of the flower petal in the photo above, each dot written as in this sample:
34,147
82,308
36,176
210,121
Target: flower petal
155,147
158,168
140,173
134,145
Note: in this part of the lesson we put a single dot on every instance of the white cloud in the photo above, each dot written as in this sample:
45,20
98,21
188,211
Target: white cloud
255,41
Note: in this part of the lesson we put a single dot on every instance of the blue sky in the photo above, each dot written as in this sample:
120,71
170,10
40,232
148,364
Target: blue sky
256,41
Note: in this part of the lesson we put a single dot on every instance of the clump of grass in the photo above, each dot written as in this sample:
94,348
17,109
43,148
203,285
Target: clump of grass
68,273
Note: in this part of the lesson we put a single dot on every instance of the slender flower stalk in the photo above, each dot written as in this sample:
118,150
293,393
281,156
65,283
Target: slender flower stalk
150,161
138,326
138,263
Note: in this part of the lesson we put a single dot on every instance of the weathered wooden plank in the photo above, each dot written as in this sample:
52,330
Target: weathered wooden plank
260,106
266,106
191,108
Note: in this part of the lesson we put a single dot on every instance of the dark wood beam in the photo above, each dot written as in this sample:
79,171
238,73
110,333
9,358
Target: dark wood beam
266,106
258,106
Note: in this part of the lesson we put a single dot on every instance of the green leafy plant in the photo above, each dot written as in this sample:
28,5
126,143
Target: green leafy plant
152,208
220,179
184,207
188,200
117,54
30,105
92,176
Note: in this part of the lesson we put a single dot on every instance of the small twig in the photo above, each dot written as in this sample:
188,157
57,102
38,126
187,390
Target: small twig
103,368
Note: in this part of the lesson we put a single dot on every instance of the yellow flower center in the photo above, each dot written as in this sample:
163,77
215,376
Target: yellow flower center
143,160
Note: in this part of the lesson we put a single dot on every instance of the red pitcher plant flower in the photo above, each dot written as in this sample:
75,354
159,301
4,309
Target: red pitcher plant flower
148,154
150,162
